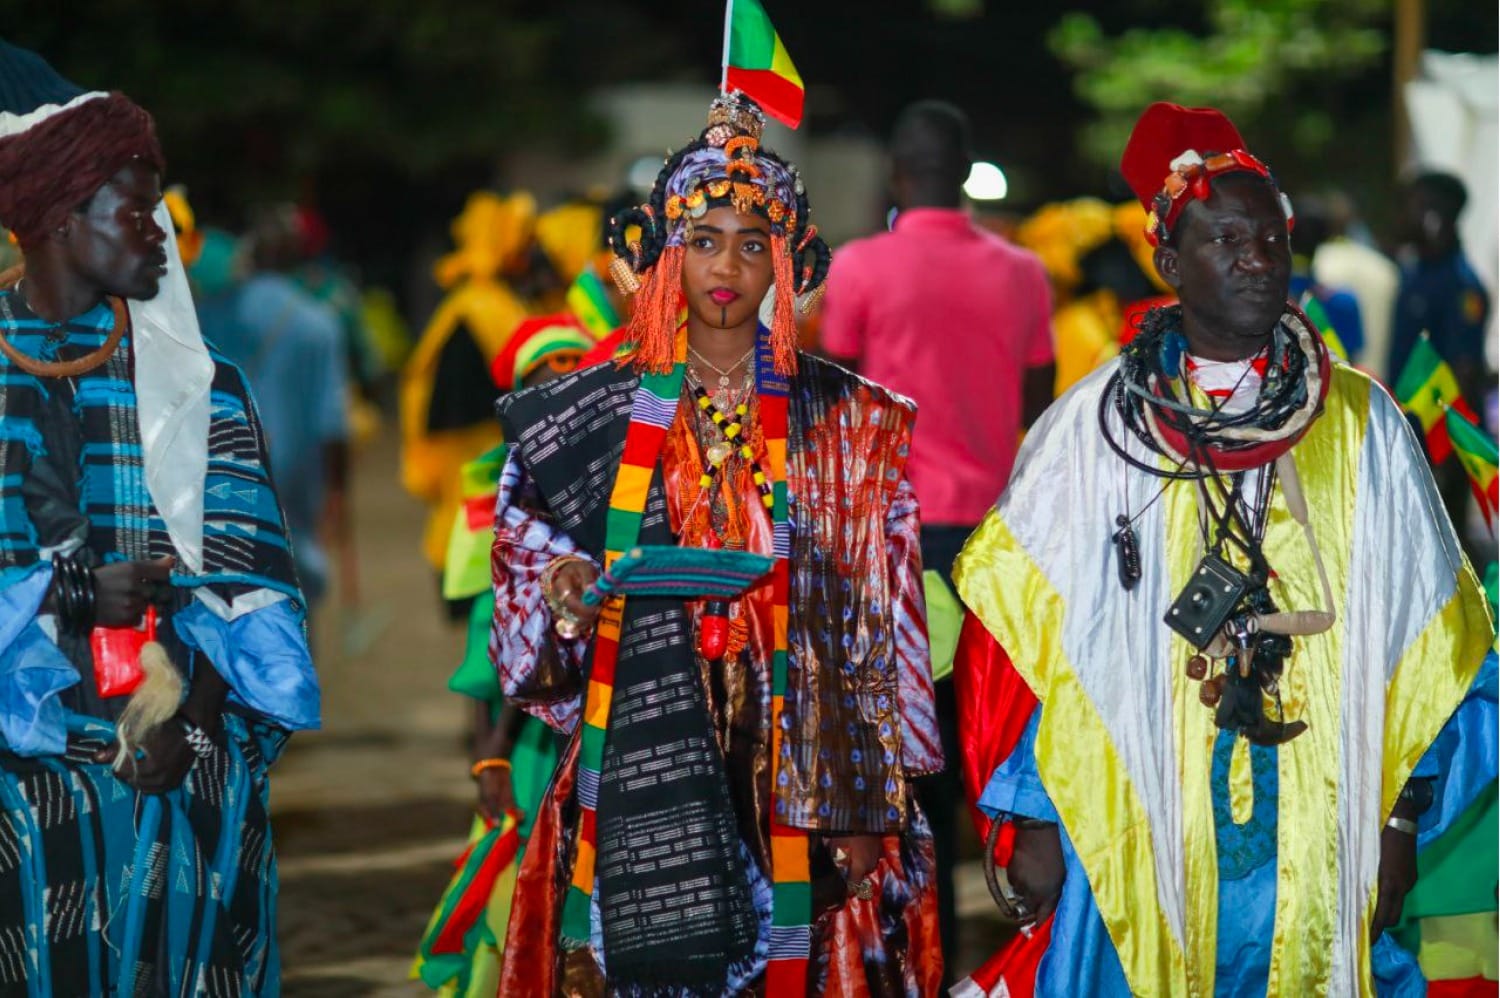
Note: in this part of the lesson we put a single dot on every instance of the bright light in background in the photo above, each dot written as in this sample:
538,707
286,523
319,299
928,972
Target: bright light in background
986,182
642,174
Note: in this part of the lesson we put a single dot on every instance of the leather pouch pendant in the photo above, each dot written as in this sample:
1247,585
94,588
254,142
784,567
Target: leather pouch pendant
1207,601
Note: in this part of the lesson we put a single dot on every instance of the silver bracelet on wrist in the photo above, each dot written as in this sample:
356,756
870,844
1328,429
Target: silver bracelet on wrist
197,739
1403,825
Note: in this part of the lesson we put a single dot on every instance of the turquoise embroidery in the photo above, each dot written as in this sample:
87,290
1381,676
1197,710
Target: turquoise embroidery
1243,848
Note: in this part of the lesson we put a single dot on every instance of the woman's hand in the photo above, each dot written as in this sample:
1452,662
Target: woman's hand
857,856
568,583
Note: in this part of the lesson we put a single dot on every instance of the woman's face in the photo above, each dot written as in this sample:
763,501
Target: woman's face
726,268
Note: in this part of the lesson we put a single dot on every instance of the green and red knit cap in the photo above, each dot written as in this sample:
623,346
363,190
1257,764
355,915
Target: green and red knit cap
559,340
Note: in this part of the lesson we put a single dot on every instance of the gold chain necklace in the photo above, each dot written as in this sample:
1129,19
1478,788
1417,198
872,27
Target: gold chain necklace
722,372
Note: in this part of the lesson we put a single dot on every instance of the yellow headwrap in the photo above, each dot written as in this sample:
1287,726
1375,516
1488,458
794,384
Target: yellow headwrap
489,235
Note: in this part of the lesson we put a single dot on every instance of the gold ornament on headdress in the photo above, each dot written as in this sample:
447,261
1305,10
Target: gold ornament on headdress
729,118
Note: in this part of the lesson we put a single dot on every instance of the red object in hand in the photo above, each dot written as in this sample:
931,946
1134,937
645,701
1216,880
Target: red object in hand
713,630
117,655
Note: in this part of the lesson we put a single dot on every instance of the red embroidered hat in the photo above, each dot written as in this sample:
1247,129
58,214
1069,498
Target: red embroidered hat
1172,155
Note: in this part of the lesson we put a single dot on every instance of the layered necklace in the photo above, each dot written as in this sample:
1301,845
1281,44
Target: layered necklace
723,397
1224,613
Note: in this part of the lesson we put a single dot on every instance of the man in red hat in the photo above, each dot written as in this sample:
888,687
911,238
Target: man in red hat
1237,646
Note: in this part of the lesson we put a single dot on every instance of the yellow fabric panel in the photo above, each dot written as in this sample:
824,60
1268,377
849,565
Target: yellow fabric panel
1241,792
1195,733
1455,947
1103,816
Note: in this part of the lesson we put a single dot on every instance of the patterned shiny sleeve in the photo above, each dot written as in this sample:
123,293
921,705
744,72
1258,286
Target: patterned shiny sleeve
921,748
540,672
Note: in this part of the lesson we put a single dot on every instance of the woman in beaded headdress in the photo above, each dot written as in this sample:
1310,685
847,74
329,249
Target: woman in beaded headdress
733,810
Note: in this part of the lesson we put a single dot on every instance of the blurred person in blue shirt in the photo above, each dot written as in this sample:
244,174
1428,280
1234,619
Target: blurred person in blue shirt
289,346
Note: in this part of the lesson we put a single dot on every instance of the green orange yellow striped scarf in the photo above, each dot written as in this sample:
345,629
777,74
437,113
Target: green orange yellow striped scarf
652,413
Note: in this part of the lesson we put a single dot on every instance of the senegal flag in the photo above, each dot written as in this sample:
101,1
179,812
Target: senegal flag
1319,317
757,65
1426,388
1477,452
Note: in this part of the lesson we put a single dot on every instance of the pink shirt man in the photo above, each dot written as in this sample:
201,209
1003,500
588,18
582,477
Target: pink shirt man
951,316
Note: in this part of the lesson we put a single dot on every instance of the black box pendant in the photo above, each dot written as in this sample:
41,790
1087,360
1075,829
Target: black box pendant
1207,601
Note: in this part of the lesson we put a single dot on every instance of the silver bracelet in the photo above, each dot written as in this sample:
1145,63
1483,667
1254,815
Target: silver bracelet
1403,825
197,739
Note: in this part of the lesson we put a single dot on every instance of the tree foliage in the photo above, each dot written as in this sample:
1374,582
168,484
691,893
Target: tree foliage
1250,59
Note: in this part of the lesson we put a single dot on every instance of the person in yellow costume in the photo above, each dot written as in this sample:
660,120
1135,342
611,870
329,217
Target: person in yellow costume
1092,252
507,263
446,393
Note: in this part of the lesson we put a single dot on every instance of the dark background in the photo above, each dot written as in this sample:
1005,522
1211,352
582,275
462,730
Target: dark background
385,114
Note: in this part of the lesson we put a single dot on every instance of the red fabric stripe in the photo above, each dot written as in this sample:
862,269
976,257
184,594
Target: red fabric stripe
606,650
642,444
1015,964
479,512
778,96
994,704
1439,447
1468,987
786,977
477,895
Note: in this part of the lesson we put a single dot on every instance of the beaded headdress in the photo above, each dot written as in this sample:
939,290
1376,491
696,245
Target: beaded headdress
726,165
1188,147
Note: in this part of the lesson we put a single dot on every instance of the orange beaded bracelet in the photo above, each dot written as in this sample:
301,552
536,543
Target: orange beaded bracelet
484,764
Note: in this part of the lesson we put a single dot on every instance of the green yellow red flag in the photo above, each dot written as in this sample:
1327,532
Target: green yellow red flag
1477,453
1319,317
588,300
1426,389
757,65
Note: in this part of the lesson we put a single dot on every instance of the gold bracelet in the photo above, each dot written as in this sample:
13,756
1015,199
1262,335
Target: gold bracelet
565,621
484,764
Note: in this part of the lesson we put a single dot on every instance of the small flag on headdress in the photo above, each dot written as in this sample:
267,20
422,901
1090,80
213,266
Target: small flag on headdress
1425,389
757,65
588,301
1476,452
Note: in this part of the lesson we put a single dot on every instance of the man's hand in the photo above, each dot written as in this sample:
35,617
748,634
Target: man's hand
568,585
1036,868
1395,879
123,589
168,760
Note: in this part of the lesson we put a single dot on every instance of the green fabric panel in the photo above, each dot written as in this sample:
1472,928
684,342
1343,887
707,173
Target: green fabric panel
475,676
1457,874
945,618
532,760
